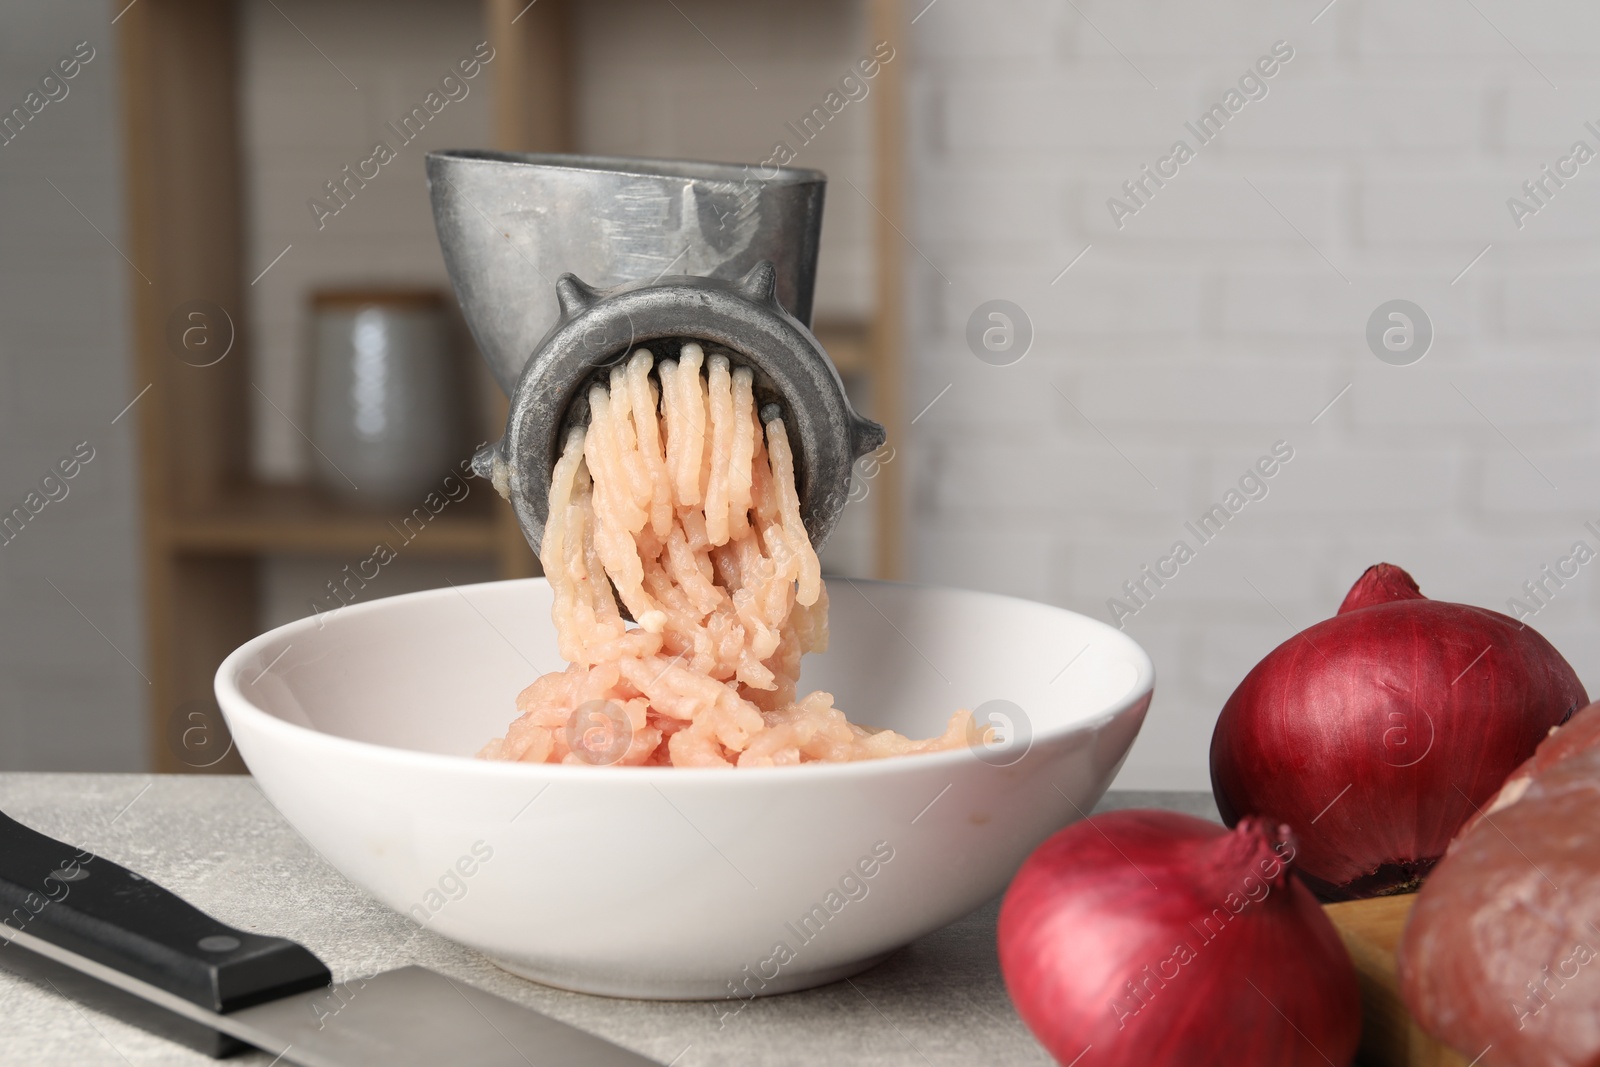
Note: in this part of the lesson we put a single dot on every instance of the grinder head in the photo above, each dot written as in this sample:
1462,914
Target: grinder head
744,246
743,320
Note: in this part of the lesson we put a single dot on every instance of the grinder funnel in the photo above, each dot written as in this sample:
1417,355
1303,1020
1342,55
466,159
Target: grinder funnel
564,265
511,224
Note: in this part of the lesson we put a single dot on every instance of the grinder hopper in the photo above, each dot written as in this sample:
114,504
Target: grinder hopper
518,233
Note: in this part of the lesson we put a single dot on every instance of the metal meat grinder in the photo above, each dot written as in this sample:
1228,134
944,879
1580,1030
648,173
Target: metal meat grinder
669,252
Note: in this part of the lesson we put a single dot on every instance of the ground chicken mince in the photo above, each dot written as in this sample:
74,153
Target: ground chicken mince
677,500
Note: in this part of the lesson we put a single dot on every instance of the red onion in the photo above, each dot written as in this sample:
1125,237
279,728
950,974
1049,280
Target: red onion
1377,733
1151,938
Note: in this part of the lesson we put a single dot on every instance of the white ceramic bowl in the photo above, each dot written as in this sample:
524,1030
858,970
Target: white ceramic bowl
360,726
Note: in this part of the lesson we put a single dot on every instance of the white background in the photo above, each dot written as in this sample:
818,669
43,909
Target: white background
1223,317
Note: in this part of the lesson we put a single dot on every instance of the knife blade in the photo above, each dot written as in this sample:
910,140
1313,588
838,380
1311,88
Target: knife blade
105,936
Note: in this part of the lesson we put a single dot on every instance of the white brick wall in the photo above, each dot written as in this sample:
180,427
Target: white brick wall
1207,327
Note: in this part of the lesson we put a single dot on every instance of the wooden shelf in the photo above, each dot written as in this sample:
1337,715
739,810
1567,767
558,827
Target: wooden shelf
848,343
264,519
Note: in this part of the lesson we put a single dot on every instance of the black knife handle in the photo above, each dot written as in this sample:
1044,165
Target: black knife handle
78,901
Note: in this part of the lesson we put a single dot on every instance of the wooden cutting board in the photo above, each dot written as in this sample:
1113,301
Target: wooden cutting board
1389,1036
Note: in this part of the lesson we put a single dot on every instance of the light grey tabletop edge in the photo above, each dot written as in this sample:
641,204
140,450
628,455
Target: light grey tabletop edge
216,841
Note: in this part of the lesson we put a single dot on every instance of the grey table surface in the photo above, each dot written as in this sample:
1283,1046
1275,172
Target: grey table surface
218,842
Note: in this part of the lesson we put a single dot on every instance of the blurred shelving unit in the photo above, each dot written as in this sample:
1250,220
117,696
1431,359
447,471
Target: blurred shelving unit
208,522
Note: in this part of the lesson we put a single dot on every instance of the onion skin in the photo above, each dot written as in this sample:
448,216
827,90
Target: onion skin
1125,898
1502,950
1377,733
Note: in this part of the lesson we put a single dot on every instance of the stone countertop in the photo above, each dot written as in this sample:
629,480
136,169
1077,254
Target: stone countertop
217,842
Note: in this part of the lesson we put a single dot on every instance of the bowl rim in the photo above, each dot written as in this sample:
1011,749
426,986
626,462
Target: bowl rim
234,703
